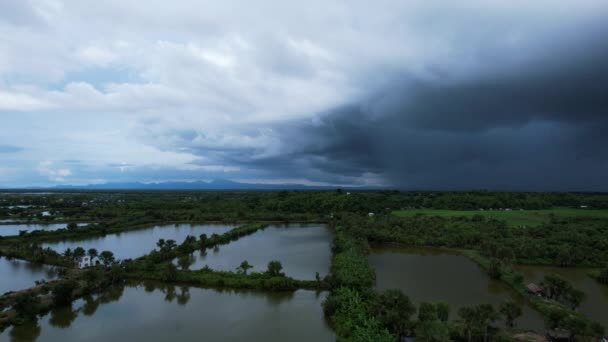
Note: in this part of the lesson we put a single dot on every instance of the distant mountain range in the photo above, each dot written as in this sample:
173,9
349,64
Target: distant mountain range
218,184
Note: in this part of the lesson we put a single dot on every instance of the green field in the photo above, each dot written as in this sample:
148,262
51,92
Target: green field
513,218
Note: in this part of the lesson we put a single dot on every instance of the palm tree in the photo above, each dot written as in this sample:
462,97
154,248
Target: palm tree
511,311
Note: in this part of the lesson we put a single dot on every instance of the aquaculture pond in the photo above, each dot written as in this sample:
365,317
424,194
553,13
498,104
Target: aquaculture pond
302,249
18,274
14,229
595,304
433,275
135,243
156,312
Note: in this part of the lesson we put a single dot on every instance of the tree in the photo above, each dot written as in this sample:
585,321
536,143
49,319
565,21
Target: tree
574,298
68,253
106,257
184,262
511,311
432,331
244,267
79,252
443,311
62,292
160,243
427,312
169,272
274,269
467,316
26,305
92,252
486,316
394,309
72,226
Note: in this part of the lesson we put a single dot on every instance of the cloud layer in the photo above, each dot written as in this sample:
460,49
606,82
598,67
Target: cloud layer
416,95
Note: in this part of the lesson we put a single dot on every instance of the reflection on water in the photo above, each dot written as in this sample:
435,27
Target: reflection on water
432,275
135,243
18,274
161,312
595,304
302,249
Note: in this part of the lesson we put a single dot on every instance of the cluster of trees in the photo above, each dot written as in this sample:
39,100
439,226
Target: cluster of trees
35,253
105,257
563,242
559,289
129,207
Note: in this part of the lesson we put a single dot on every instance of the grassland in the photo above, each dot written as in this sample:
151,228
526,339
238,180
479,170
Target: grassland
514,217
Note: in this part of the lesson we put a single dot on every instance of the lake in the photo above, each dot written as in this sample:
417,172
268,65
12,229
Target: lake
432,275
13,229
302,249
595,304
157,312
18,274
135,243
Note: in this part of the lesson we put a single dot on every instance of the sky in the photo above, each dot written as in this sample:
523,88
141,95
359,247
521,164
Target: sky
418,95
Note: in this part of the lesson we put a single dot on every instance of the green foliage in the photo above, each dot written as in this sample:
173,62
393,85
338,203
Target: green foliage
185,261
169,272
244,267
274,269
393,310
63,292
349,265
349,313
510,310
26,305
107,258
559,289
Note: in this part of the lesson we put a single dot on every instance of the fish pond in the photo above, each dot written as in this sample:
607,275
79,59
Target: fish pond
135,243
434,275
595,304
19,274
302,249
157,312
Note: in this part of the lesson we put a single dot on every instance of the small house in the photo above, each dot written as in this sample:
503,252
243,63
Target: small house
84,262
370,214
535,289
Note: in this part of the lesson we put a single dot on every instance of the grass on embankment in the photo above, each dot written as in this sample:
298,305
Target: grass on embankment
514,217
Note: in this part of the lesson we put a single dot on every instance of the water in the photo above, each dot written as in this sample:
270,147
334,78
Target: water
135,243
18,274
302,249
595,304
433,275
158,312
13,229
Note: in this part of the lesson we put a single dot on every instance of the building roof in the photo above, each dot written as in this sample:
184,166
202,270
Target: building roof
534,288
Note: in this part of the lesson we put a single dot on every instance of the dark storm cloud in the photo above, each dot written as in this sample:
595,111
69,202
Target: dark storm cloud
541,125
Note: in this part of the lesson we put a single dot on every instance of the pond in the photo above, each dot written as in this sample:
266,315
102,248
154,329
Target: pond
156,312
13,229
302,249
19,274
135,243
595,304
432,275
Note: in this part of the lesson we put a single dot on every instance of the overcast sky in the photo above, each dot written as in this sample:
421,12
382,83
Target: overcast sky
425,94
